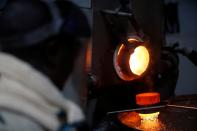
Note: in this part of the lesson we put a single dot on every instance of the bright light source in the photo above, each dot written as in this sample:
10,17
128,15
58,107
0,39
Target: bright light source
139,60
150,122
131,58
144,122
149,117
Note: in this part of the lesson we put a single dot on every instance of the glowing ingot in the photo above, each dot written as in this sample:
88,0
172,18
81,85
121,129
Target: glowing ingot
149,98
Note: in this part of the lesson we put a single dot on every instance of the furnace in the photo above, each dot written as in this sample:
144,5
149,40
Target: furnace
126,61
131,58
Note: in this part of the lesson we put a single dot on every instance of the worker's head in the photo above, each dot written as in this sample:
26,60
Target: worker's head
44,33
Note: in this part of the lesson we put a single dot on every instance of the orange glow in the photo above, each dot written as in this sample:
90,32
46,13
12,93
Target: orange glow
132,39
151,116
129,119
88,56
150,122
121,47
145,122
150,98
139,60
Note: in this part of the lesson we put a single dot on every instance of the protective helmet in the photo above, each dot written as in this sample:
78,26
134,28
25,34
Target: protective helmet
44,33
28,22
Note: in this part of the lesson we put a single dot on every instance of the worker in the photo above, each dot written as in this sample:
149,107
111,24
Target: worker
39,42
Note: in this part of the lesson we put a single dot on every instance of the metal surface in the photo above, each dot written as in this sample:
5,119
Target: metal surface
186,107
118,13
179,115
171,118
138,109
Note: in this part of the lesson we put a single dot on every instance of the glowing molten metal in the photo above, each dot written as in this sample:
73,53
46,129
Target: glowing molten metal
145,99
140,121
149,117
139,60
145,122
130,119
150,122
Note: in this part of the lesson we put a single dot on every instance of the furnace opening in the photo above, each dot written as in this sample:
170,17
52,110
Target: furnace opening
139,60
131,59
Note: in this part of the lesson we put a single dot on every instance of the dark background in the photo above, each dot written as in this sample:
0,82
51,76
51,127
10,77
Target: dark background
187,82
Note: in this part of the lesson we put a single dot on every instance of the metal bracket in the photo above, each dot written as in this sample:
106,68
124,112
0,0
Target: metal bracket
113,27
